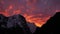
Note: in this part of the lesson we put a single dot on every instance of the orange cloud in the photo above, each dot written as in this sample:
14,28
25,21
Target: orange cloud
16,12
38,21
6,14
30,9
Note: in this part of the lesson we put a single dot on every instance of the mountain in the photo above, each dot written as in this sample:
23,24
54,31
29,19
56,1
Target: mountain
14,24
52,26
21,21
32,27
3,24
15,29
3,20
37,31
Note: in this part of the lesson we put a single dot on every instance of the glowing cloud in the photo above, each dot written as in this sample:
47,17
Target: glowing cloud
35,11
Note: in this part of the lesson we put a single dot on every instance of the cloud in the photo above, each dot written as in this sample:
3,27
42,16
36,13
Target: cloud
37,11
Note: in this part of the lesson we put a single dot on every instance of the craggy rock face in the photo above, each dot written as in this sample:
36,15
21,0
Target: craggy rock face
16,19
12,20
3,20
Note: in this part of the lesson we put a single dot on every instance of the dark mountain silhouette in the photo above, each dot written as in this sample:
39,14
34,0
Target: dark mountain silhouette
32,26
15,29
20,20
3,20
3,24
14,24
37,31
52,26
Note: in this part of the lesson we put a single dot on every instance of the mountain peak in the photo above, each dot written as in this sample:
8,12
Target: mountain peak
13,21
52,26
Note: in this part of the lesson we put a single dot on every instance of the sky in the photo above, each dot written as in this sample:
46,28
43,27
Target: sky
35,11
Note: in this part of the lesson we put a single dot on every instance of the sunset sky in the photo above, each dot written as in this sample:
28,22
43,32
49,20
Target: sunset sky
35,11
